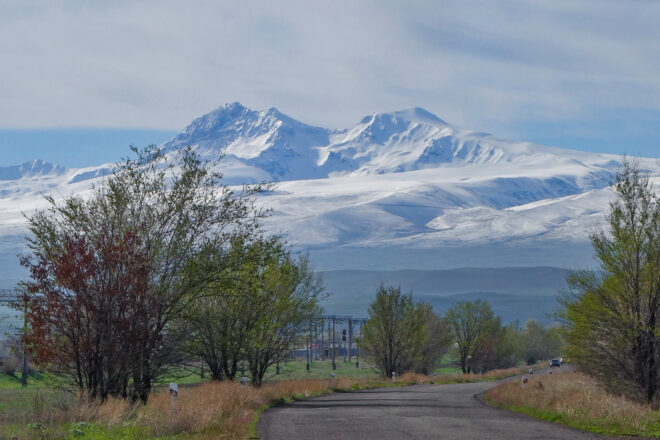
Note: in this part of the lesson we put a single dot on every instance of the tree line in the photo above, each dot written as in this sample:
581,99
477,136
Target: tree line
160,263
404,335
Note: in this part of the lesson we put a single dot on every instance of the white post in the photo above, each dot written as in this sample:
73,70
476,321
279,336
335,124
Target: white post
174,394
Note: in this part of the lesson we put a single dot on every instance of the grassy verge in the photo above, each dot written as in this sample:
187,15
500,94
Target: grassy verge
294,370
206,411
576,400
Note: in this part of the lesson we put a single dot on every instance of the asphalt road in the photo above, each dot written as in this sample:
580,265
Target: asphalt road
414,412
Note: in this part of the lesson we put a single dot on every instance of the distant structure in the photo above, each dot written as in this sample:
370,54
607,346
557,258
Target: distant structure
14,297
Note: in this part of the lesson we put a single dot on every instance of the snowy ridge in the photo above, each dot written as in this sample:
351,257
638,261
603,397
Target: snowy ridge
33,169
406,140
404,180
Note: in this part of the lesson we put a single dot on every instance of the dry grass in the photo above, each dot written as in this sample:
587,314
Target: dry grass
413,378
228,408
490,375
51,407
577,400
216,410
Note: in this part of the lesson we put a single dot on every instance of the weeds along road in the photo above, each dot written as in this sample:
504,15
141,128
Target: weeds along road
413,412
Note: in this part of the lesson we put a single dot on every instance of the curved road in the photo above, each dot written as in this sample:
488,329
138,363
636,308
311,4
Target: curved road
414,412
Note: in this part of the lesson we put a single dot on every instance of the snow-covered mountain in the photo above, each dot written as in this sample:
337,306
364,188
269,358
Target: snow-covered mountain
409,180
398,190
35,168
271,146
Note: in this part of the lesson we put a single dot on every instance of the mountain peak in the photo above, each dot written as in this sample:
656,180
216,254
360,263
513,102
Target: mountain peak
235,110
418,114
405,116
30,169
220,116
268,139
231,107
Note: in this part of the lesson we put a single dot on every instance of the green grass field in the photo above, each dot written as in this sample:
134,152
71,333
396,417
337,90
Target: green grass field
320,370
38,380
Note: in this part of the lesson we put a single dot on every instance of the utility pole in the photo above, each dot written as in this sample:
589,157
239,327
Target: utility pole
357,354
309,344
312,326
322,345
316,338
350,334
334,365
343,338
350,339
25,329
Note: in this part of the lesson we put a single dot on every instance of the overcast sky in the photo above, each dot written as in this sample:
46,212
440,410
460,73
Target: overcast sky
581,74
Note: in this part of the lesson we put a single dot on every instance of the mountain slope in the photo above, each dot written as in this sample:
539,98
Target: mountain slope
398,183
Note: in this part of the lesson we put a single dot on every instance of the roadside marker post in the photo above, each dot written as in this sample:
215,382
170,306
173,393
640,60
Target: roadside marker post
393,376
174,394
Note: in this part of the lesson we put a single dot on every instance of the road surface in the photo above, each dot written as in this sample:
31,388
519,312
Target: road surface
413,412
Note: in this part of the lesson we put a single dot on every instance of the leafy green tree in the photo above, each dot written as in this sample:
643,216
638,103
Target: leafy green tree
395,335
256,312
539,343
470,323
612,316
219,321
111,271
438,340
497,348
283,295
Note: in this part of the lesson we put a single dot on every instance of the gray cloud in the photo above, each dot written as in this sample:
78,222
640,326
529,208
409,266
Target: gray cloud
486,65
